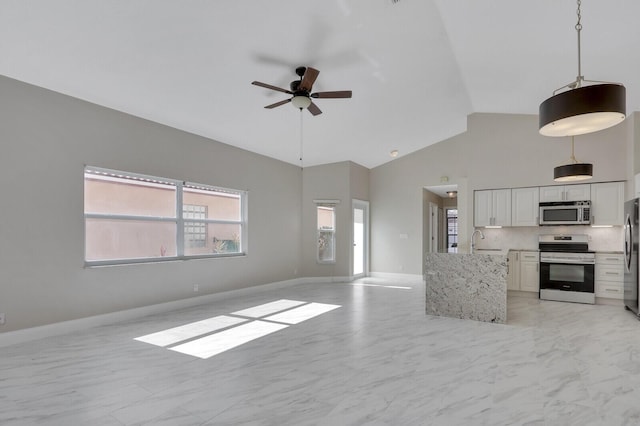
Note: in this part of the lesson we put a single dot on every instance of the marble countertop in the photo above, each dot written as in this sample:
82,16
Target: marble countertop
467,286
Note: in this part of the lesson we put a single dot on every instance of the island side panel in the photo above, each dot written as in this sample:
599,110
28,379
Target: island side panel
467,286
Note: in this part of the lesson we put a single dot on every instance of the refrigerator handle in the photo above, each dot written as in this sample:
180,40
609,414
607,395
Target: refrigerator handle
628,242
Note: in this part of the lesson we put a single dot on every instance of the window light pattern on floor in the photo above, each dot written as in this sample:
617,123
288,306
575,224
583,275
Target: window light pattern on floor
212,336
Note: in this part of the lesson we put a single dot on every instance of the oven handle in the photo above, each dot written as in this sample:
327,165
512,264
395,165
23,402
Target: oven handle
569,262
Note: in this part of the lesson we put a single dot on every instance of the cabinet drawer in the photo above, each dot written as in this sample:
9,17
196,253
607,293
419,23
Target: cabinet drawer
609,273
529,256
609,290
609,259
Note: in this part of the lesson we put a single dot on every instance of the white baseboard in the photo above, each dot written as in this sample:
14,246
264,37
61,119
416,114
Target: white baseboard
398,276
321,280
519,293
65,327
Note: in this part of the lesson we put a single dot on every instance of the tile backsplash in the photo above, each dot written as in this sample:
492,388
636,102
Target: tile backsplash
526,237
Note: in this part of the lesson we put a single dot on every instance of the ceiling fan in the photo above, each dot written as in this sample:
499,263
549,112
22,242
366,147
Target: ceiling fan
301,91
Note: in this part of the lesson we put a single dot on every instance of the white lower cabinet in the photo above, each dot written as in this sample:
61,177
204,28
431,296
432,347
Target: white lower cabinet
524,271
513,270
609,279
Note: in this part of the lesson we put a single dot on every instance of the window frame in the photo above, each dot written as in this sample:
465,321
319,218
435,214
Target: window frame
332,231
178,220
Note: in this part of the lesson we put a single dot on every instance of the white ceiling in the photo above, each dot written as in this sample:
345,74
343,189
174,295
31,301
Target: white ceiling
416,67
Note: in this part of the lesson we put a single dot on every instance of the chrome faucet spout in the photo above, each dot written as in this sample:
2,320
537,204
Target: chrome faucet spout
473,244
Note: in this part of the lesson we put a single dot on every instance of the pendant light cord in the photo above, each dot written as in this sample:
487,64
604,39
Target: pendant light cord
580,78
573,157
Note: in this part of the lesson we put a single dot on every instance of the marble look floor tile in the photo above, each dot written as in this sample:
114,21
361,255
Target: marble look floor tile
377,360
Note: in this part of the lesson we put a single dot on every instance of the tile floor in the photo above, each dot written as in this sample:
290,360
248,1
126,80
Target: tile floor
378,359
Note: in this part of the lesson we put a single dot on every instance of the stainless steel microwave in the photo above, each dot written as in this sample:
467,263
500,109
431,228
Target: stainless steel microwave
565,213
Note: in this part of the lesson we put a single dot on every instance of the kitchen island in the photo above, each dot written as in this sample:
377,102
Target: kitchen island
467,286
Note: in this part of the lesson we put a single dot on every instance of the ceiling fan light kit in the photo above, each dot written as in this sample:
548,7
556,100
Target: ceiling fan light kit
301,102
582,109
301,91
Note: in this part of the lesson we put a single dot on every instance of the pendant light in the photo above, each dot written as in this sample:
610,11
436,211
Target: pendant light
574,171
582,108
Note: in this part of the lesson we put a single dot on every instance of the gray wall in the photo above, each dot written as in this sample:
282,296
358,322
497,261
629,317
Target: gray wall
496,151
342,181
48,138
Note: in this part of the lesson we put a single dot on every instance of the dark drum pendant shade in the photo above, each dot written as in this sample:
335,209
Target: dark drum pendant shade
583,110
573,172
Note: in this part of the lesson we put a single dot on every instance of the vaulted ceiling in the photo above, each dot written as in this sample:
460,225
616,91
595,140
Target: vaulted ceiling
417,68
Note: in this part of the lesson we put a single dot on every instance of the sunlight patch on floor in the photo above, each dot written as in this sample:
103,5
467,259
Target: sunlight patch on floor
303,313
206,338
189,331
268,308
228,339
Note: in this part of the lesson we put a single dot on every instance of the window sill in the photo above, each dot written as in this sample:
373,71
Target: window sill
105,263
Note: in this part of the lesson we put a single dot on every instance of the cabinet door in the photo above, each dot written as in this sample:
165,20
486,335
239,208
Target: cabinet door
513,270
524,206
577,192
529,276
551,193
502,207
565,193
482,208
607,203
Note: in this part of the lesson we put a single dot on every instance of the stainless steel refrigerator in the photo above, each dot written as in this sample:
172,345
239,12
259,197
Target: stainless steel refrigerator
631,234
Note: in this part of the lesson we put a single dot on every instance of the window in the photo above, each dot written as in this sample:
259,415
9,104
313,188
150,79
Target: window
133,218
326,233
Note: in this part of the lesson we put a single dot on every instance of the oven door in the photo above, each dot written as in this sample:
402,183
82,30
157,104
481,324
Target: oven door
577,277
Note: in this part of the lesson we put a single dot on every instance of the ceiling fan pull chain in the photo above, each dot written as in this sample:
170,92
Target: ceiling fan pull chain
301,163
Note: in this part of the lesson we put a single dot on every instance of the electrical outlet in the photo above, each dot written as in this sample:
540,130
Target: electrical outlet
2,318
195,288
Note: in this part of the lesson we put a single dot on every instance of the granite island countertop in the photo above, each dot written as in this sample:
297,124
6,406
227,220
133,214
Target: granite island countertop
467,286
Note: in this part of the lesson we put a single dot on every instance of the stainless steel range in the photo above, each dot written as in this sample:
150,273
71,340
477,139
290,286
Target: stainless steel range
566,268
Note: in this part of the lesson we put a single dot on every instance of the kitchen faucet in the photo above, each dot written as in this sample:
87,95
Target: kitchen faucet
473,244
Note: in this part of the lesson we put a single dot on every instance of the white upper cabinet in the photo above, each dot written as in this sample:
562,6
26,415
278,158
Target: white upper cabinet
607,203
565,193
492,207
524,206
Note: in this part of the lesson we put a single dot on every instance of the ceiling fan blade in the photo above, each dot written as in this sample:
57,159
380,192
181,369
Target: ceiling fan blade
269,86
308,79
335,94
277,104
313,109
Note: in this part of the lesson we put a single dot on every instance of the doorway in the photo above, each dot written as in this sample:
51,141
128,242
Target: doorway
360,248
